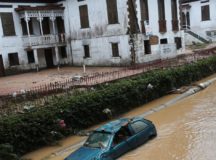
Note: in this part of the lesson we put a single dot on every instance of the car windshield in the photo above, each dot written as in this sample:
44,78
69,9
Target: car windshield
98,140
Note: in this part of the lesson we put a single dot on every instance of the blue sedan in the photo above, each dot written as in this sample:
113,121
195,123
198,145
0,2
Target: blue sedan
113,139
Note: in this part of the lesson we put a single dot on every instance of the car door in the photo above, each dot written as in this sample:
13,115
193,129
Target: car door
119,148
140,131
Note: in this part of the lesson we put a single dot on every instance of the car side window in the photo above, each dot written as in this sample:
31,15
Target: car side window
122,135
138,126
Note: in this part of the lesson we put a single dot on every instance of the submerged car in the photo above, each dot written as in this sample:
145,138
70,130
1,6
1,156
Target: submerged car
113,139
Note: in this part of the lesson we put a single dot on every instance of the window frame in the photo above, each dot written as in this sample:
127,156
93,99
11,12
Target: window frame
7,23
83,12
140,130
112,13
115,46
205,14
13,59
87,53
30,61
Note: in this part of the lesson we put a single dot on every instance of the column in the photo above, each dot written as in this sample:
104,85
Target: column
27,19
53,18
40,19
36,59
57,56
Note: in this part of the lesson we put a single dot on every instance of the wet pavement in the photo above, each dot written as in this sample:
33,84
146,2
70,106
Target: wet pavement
26,81
186,131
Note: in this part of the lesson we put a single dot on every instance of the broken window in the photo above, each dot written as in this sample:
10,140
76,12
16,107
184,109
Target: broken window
84,19
147,47
30,55
63,52
8,24
205,13
13,59
86,51
112,11
115,50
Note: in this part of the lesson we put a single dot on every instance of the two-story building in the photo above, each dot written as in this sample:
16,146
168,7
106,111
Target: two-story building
32,35
199,20
44,33
121,32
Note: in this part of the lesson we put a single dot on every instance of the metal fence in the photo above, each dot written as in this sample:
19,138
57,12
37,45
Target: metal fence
105,77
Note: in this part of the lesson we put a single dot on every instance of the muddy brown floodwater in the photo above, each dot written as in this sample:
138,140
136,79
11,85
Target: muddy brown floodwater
186,131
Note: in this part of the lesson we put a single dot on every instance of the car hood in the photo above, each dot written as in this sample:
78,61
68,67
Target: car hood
85,153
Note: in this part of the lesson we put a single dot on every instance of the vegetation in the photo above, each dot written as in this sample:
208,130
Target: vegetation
40,126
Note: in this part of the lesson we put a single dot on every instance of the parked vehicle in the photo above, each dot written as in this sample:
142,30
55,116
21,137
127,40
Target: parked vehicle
114,139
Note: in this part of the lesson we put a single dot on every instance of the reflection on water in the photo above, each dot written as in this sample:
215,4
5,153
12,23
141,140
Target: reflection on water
186,131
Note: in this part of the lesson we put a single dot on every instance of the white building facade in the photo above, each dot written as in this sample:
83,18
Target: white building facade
100,31
46,33
32,36
199,17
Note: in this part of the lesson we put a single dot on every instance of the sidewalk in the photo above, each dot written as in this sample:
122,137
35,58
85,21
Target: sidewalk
11,84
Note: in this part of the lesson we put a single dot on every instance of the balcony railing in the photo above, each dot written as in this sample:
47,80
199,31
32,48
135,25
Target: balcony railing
43,40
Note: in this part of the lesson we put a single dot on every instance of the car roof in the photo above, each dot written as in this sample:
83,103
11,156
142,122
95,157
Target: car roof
115,126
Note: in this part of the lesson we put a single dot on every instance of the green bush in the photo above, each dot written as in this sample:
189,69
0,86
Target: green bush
40,126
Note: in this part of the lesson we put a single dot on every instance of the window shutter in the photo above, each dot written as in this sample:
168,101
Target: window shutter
8,24
112,11
84,19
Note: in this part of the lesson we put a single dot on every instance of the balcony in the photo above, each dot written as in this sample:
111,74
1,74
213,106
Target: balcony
31,41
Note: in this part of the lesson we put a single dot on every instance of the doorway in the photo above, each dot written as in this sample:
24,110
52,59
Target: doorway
49,58
2,70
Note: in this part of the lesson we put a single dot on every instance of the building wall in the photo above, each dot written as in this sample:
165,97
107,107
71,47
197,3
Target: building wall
197,25
12,44
100,34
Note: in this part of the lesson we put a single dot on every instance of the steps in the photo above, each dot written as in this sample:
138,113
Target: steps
197,36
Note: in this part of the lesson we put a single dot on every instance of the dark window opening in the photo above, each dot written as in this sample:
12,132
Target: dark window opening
122,135
86,51
163,41
205,13
60,25
46,25
8,24
112,11
147,47
178,42
84,19
24,27
63,52
30,55
115,50
13,59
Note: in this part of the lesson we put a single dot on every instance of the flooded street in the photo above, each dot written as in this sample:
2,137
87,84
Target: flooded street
186,131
